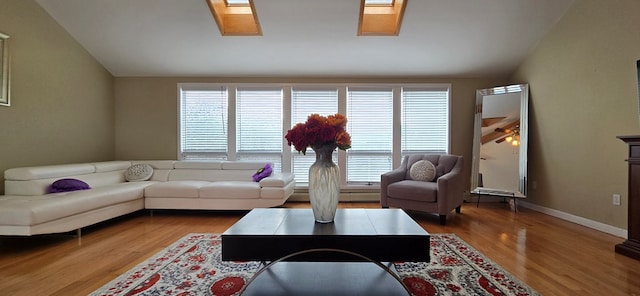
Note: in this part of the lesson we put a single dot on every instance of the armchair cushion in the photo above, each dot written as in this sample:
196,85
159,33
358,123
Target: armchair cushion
414,190
423,170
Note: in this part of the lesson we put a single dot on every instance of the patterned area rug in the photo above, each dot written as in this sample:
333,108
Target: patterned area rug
193,266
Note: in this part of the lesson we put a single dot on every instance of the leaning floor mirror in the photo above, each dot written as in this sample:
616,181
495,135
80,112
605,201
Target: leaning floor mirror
499,163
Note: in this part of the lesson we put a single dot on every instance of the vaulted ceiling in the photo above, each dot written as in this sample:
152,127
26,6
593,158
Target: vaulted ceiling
316,38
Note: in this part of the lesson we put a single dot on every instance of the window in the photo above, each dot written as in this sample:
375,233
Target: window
203,122
248,122
259,125
305,101
425,120
370,115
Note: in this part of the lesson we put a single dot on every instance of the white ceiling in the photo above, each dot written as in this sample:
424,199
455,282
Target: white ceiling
443,38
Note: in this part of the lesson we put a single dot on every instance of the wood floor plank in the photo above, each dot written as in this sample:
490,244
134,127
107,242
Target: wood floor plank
553,256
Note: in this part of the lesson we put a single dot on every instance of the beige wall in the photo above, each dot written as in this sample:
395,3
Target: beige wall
61,97
147,109
584,93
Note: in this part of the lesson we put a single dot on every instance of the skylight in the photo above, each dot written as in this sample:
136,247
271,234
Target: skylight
381,17
235,17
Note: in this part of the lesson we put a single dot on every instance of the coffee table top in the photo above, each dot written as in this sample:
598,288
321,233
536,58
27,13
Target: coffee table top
300,222
378,234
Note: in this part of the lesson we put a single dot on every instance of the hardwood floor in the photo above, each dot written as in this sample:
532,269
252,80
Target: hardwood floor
553,256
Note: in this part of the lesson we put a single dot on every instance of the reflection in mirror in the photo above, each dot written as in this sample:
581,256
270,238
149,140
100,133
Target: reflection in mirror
499,163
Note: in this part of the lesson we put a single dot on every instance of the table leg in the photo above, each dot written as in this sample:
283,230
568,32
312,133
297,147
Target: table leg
390,270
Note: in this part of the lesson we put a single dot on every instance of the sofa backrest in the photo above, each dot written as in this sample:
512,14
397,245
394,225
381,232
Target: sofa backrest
161,168
214,170
37,180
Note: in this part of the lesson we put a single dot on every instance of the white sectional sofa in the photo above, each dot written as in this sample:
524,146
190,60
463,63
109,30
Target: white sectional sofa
28,209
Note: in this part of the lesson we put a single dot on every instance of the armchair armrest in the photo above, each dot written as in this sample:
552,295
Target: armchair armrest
388,178
393,176
450,188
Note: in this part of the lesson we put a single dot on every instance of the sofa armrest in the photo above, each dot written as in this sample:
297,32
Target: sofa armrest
277,180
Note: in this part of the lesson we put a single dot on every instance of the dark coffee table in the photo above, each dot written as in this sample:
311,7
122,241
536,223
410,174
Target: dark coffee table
309,258
382,235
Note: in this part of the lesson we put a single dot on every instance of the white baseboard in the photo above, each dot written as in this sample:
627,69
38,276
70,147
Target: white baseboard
373,197
576,219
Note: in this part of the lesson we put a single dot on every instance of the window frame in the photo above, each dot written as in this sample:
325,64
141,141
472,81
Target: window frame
287,122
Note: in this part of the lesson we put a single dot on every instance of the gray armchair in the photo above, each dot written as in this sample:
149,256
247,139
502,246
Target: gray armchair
440,196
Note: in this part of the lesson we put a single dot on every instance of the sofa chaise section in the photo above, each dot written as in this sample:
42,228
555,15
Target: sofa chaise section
28,208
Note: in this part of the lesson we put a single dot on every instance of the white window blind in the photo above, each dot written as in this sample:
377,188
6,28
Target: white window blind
203,123
259,125
303,103
370,115
425,120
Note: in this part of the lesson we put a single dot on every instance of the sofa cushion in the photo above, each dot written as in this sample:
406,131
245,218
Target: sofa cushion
187,189
413,190
263,173
138,172
423,170
68,184
230,189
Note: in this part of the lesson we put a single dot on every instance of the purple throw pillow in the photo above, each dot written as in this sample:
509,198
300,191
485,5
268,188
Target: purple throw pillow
64,185
263,173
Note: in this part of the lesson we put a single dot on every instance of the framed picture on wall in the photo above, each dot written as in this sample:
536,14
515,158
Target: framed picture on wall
4,70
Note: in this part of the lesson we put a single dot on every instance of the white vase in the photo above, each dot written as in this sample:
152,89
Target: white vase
324,184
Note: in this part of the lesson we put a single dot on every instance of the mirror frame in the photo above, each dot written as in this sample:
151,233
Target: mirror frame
4,70
523,89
